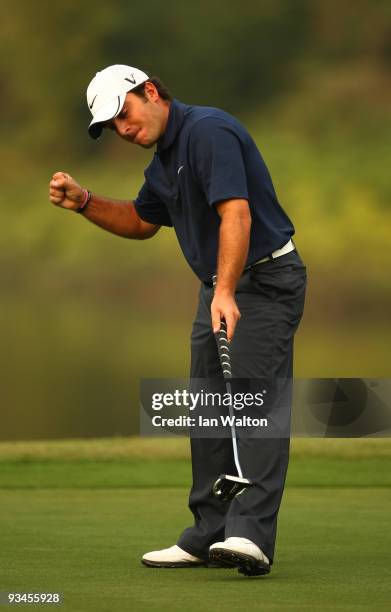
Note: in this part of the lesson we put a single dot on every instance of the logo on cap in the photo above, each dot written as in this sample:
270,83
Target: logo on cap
92,103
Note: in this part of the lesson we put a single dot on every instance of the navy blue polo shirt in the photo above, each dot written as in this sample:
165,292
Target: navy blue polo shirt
206,156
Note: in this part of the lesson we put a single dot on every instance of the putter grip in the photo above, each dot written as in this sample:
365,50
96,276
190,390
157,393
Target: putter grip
222,343
223,348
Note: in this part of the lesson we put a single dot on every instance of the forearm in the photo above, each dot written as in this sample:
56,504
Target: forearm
116,216
234,239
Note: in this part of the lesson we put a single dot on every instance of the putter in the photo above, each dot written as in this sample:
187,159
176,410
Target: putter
226,486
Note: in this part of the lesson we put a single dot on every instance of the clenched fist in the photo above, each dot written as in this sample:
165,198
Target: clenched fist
65,192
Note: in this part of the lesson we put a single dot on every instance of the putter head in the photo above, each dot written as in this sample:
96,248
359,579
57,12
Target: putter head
227,487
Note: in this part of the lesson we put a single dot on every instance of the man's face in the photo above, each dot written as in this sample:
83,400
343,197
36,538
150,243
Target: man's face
141,121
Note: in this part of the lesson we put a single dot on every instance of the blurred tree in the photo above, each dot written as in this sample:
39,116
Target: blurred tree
310,78
212,53
240,57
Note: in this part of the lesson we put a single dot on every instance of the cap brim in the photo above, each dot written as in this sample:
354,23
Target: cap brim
109,111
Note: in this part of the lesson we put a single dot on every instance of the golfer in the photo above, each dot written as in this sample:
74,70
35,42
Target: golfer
208,181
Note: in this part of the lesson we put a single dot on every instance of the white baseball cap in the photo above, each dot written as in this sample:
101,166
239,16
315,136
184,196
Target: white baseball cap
107,91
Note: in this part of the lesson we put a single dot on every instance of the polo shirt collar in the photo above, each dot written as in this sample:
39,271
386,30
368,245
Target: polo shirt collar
176,116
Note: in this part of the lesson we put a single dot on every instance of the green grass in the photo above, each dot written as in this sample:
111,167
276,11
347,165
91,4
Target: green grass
148,462
332,552
303,472
76,516
177,448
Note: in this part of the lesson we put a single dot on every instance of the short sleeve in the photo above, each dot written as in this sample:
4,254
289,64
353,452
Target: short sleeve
217,160
150,208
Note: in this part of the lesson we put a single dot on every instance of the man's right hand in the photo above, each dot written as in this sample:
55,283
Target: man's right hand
65,192
119,217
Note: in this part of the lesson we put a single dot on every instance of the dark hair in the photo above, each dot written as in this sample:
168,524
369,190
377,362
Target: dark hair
162,90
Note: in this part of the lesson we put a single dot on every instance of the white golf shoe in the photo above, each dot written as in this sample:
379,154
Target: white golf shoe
241,553
171,557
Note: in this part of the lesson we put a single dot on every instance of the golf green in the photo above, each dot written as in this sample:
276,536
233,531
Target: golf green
76,516
332,551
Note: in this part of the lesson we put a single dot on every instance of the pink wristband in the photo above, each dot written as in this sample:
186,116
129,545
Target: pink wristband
84,204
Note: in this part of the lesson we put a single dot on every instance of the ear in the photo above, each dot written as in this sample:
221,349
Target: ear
151,92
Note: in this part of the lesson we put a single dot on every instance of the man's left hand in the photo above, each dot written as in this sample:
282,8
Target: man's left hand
224,307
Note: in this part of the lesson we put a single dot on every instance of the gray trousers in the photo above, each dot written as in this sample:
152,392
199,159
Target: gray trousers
270,297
